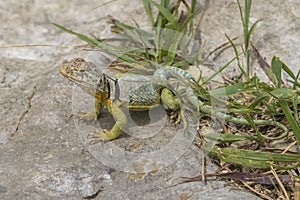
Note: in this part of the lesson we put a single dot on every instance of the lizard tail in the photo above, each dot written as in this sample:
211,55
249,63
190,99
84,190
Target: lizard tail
207,109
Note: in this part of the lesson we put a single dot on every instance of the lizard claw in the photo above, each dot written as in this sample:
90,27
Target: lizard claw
86,116
175,117
99,136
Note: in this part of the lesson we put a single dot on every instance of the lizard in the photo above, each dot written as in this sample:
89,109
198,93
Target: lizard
115,94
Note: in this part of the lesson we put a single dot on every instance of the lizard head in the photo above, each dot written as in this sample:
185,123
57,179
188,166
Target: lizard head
87,76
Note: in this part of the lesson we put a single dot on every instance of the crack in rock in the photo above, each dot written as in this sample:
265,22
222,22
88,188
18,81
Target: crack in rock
27,107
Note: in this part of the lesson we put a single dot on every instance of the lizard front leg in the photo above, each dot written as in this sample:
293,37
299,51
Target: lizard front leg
116,130
89,116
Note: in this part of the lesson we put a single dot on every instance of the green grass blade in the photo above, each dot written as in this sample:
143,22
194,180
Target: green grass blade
149,12
219,71
295,107
247,8
253,125
236,54
256,102
96,43
166,13
247,34
133,33
290,73
186,22
292,121
296,84
252,30
241,12
249,158
229,90
227,138
276,66
284,93
193,6
173,48
89,40
121,25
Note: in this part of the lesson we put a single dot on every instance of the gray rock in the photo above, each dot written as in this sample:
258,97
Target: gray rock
42,157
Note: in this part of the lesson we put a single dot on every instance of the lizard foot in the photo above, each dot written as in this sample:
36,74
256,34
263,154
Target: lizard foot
175,116
86,116
98,136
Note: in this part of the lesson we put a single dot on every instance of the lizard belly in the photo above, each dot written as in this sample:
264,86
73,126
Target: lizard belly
138,92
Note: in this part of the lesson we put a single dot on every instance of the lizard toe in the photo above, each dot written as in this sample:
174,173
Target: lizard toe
98,136
86,116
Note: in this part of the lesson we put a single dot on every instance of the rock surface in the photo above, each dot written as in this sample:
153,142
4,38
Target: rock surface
42,156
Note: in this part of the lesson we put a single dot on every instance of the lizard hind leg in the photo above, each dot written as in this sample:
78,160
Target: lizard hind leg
170,101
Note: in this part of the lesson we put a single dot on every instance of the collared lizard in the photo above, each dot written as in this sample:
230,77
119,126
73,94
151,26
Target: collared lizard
112,94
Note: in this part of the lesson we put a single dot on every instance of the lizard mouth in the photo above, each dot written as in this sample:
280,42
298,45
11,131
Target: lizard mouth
65,71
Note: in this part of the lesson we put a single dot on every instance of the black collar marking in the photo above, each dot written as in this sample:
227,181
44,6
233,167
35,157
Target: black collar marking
117,87
117,90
